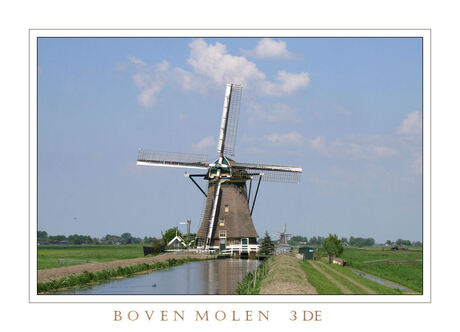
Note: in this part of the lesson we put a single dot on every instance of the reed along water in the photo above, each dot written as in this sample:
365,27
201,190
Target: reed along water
220,276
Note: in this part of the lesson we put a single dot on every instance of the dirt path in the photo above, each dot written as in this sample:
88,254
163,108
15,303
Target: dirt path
60,272
344,289
365,289
285,276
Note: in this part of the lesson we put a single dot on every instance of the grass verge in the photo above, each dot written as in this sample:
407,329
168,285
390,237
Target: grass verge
317,280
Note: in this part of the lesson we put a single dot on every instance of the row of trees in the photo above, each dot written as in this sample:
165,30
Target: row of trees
404,243
352,241
313,241
125,238
43,237
360,241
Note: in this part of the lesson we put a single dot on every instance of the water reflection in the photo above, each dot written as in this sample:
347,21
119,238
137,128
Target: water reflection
208,277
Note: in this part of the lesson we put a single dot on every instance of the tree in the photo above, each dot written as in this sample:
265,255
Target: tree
158,245
267,247
361,242
333,246
57,238
401,242
170,234
127,238
42,236
297,239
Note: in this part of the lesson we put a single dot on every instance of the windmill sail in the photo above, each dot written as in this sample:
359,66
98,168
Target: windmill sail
171,159
229,122
271,173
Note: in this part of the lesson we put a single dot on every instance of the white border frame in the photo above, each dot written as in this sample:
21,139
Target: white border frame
33,71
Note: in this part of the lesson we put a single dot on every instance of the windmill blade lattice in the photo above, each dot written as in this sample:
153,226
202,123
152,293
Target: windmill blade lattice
270,173
229,122
171,159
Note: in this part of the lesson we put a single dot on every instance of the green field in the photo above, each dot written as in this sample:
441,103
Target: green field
48,255
409,273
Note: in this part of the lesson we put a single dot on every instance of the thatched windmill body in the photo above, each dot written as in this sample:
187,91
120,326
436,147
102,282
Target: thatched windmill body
226,223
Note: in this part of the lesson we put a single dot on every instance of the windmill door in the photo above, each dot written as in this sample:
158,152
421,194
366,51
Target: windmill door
244,244
222,239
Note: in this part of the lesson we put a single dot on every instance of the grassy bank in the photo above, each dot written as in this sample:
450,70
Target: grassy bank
376,287
252,281
48,255
280,274
93,277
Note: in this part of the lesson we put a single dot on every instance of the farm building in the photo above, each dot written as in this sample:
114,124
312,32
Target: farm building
177,242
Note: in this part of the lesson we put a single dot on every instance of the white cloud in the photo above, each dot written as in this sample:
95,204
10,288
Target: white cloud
205,143
214,62
275,113
142,80
162,66
318,143
383,151
409,138
292,138
411,125
189,81
288,83
135,60
150,83
354,147
269,48
211,65
147,98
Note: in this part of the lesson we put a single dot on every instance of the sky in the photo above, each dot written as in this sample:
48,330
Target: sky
347,110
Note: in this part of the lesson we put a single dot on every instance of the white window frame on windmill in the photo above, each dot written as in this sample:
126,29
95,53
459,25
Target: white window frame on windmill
221,222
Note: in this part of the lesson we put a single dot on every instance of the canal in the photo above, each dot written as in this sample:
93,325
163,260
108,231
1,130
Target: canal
220,276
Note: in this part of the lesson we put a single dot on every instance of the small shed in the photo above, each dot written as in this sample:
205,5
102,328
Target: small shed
307,252
339,261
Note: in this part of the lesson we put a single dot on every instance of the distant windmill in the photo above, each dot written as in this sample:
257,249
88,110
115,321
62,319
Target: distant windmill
226,219
284,236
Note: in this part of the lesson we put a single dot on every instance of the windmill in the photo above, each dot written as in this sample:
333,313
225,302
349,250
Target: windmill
227,216
284,236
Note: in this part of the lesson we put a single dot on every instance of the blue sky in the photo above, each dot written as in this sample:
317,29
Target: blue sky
348,110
